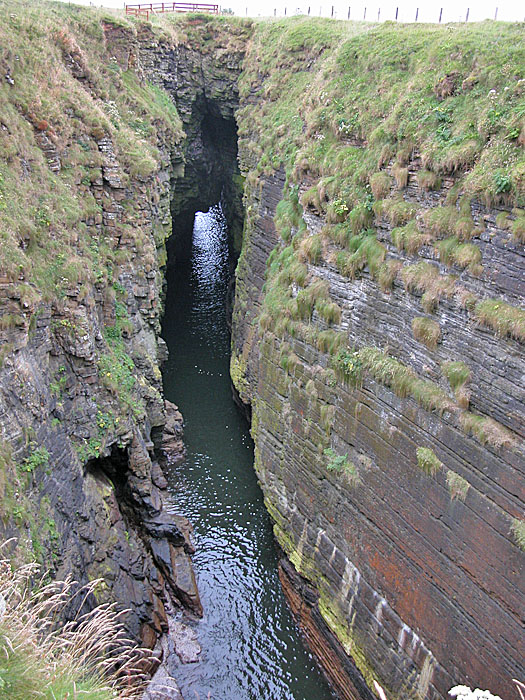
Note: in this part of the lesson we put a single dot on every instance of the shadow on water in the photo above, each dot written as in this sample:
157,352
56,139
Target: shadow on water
252,649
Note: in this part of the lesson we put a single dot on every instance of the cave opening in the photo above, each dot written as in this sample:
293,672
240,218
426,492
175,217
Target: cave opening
211,177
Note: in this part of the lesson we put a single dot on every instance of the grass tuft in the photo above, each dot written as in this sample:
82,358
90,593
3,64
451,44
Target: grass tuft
518,532
457,486
89,657
427,461
487,430
426,331
503,318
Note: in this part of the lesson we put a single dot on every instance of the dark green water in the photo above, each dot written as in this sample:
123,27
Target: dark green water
251,647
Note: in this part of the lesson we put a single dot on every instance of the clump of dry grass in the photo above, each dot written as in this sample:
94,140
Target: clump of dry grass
457,486
503,318
424,277
426,331
89,657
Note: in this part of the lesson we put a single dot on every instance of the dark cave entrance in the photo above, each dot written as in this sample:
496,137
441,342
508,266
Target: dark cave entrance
211,176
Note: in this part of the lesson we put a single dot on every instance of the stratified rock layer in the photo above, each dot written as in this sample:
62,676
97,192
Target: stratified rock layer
420,588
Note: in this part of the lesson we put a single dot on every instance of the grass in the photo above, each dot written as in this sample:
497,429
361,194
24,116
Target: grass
47,99
518,532
452,252
45,657
409,237
457,486
487,430
426,331
404,381
427,461
458,375
428,180
341,465
424,277
506,320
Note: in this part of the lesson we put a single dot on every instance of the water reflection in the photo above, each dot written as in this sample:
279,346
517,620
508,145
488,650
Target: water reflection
251,647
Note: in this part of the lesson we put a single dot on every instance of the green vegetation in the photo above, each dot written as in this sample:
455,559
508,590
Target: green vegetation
458,375
503,318
427,461
487,430
341,465
348,366
409,237
44,658
404,381
47,106
518,532
426,331
457,486
424,277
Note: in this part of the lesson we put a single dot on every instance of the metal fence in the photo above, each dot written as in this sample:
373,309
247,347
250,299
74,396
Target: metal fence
409,12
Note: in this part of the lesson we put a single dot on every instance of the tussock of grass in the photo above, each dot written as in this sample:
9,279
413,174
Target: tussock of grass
400,174
387,273
426,331
409,237
487,430
380,184
457,486
311,247
424,277
396,210
363,249
457,373
404,381
452,252
427,461
518,532
428,180
518,228
503,318
441,221
44,657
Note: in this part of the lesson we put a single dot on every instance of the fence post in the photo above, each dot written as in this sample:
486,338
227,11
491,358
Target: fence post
468,10
417,13
348,13
332,11
496,14
378,13
397,12
440,14
285,11
308,10
364,14
275,12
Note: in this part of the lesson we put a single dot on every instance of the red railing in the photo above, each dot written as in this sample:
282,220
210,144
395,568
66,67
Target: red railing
144,9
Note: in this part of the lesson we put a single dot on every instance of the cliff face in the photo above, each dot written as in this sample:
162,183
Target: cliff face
377,334
97,143
387,400
82,413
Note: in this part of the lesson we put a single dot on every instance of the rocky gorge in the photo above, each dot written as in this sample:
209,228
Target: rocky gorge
377,337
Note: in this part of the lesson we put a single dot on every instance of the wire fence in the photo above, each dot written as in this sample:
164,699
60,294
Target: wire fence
427,12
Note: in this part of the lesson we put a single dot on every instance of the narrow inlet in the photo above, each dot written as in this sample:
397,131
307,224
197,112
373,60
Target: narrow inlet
251,647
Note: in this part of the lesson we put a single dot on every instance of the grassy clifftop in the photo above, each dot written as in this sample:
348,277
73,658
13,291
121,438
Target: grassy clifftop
61,96
340,100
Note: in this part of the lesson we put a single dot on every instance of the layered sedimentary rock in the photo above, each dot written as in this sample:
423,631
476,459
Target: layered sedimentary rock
382,360
81,407
396,488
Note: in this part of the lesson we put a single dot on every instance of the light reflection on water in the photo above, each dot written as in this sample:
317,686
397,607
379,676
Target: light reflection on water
251,647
